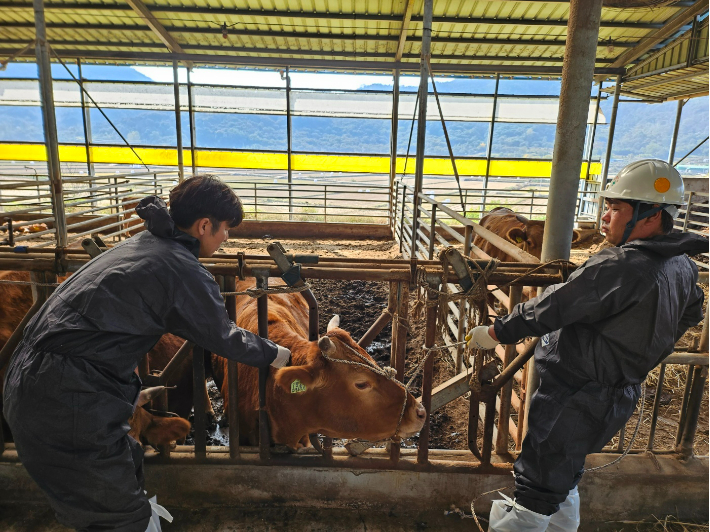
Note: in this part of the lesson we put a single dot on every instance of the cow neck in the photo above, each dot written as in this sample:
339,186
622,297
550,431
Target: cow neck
387,372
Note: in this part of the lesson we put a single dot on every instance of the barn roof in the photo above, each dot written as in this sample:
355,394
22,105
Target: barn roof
468,37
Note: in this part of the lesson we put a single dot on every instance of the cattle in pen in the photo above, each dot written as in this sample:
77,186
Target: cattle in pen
333,387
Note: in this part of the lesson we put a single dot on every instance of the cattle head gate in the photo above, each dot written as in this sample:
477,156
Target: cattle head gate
455,292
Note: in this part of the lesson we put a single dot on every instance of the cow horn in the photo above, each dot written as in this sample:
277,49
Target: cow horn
326,345
149,394
334,323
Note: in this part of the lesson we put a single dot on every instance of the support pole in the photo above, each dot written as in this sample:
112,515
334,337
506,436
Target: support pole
49,120
86,121
577,77
289,174
421,124
191,112
489,147
676,127
609,144
393,141
178,123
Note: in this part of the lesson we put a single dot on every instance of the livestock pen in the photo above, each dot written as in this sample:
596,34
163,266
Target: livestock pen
69,189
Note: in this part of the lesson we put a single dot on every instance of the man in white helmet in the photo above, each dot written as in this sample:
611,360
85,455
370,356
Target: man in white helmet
616,318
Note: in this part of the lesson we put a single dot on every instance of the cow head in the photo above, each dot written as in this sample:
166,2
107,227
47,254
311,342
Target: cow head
155,430
361,403
527,236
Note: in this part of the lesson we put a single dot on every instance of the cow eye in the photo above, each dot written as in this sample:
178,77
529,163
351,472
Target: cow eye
362,385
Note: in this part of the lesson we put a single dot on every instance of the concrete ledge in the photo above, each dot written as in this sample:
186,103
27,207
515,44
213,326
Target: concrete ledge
258,229
637,488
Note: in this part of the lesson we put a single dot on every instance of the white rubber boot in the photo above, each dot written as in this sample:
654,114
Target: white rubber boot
509,516
566,519
158,512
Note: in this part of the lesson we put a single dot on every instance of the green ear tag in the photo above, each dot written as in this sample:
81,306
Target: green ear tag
518,239
297,387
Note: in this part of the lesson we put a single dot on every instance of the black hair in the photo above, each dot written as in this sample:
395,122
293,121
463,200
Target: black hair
666,218
205,196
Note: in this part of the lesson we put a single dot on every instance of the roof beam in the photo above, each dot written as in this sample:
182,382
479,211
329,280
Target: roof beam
285,51
156,27
662,80
368,17
669,29
405,29
334,65
308,35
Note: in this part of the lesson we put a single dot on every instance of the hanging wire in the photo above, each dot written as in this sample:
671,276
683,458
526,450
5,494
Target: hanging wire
81,86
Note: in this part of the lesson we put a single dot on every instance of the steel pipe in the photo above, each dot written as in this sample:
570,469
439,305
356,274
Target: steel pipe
198,397
432,310
233,375
262,282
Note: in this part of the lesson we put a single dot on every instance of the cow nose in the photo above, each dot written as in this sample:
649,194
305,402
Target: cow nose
421,412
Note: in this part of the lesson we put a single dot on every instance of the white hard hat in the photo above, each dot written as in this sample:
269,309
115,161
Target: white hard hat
648,181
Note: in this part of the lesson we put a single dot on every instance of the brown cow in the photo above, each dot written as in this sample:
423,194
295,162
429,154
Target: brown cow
16,301
314,394
516,228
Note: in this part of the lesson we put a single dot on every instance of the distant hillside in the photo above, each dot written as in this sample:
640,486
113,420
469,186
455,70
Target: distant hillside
643,130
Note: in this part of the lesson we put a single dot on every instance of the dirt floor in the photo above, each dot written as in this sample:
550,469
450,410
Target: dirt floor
360,303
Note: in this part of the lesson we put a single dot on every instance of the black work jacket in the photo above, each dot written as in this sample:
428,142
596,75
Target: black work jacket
617,316
113,310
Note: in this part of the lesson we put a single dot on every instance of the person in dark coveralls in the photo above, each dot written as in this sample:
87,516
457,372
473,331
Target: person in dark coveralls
71,386
616,318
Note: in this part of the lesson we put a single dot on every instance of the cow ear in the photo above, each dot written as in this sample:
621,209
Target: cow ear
334,323
163,430
517,235
326,345
294,379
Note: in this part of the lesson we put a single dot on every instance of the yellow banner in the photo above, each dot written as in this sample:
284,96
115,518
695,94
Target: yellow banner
278,161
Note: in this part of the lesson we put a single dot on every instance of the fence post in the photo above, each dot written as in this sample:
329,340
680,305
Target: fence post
432,231
256,211
687,211
432,309
230,302
507,389
325,203
401,223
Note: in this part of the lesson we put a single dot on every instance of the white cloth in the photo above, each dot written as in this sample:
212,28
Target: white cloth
566,519
509,516
158,512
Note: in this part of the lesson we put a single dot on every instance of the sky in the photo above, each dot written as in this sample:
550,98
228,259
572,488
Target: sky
265,78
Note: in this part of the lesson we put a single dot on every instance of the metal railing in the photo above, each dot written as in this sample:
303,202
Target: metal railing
694,218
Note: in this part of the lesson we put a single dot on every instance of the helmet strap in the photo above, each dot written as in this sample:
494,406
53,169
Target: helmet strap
636,217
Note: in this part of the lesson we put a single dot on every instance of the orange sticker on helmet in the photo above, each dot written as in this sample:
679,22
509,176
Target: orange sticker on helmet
662,185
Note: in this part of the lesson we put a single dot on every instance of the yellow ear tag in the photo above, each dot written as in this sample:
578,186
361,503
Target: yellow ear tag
519,239
297,387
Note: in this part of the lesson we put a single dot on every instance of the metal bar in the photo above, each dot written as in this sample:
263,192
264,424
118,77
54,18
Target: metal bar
198,394
176,362
691,151
50,122
676,127
609,144
262,282
289,131
178,122
380,323
432,309
686,217
507,390
656,406
400,327
684,405
421,119
401,222
394,130
590,151
432,232
685,448
193,134
86,120
489,146
232,375
393,303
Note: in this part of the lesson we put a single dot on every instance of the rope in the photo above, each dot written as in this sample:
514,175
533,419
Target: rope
258,292
633,437
6,281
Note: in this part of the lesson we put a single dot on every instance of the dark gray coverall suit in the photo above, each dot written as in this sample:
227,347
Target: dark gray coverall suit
616,318
71,388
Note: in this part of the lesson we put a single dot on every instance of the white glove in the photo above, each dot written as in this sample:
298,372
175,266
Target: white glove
157,512
282,357
479,338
